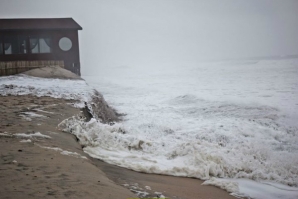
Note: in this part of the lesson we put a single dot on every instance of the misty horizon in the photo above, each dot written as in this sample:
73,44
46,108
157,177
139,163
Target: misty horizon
146,33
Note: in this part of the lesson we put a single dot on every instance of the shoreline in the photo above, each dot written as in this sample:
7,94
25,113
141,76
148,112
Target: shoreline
172,187
56,166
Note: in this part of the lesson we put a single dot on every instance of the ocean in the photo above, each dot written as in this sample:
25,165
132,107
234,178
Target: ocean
231,123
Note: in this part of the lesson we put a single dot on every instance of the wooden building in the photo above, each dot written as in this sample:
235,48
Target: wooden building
38,42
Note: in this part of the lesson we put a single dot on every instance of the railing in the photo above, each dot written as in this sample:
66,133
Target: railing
15,67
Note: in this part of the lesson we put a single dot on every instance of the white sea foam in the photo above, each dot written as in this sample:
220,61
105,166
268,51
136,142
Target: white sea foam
26,141
252,189
224,120
5,134
63,152
32,135
32,114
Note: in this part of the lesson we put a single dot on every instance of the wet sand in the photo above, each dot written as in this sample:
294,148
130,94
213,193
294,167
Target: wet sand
29,170
169,186
57,167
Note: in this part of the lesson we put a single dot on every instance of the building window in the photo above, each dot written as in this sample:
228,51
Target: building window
65,44
14,45
18,45
10,44
40,45
34,45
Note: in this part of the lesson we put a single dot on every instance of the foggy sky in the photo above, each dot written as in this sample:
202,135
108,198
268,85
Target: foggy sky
170,32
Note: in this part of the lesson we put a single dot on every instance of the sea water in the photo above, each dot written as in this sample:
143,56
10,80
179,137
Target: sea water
232,124
223,122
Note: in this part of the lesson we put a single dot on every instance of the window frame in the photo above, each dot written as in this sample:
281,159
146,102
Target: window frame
1,46
26,38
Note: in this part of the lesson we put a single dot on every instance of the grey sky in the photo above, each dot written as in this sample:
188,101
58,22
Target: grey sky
178,32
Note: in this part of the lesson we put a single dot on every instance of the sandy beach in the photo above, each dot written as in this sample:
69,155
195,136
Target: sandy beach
52,164
40,161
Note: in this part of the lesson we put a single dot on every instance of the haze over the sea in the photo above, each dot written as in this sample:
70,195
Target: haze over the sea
170,32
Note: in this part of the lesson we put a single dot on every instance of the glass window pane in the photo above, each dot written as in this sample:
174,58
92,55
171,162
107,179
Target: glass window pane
34,45
7,48
65,44
45,45
11,45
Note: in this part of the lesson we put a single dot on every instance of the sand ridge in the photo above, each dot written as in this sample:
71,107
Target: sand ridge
52,72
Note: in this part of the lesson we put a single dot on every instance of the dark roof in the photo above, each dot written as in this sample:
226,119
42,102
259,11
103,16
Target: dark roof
39,24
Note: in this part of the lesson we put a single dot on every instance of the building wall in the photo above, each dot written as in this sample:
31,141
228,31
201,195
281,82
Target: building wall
71,57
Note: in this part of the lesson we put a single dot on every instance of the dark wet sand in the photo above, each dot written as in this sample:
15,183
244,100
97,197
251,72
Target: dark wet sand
169,186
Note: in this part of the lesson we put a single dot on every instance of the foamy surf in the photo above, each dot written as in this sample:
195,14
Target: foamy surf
166,153
219,121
